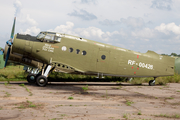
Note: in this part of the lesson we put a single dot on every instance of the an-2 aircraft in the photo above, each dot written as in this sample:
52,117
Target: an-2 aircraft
71,54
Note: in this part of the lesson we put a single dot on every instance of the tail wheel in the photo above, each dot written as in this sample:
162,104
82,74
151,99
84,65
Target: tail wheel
41,81
31,78
151,82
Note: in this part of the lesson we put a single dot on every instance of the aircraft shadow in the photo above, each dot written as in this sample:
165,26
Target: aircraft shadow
76,88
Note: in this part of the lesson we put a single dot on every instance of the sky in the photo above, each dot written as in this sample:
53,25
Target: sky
138,25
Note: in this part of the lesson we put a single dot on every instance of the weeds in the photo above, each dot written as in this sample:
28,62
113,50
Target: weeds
126,116
70,98
16,73
168,116
139,113
63,115
28,104
7,94
128,103
30,93
107,95
85,88
169,98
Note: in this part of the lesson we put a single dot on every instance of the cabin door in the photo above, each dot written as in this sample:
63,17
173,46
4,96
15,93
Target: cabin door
102,61
28,47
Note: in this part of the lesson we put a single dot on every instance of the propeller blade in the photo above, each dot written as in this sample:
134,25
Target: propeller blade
13,28
9,42
7,56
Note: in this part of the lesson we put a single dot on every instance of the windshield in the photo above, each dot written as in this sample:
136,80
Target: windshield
49,37
40,35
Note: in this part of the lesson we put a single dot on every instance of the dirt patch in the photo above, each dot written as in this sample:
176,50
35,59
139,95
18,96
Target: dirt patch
85,100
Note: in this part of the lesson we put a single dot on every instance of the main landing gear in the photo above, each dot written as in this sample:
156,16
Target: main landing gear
152,82
32,75
41,78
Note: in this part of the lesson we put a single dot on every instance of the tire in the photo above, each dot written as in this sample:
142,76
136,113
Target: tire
151,83
41,81
31,78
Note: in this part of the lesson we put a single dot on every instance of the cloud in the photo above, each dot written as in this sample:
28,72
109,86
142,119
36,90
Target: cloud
167,29
90,32
32,31
133,22
144,33
88,1
68,28
130,22
17,4
162,4
109,22
83,14
28,20
25,20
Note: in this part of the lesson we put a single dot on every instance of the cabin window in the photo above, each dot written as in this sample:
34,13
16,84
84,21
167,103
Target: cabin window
70,49
84,53
49,37
77,51
58,39
103,57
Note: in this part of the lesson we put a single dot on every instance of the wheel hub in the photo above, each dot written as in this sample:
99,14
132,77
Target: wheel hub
32,77
41,81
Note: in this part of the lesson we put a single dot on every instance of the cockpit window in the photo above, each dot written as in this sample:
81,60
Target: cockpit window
49,37
58,39
40,35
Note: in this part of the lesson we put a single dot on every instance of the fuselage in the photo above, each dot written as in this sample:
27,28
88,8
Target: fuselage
91,57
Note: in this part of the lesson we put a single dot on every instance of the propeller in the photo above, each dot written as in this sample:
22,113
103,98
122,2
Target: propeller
9,43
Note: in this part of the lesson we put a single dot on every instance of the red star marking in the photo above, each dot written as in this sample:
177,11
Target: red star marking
137,68
137,56
132,67
134,72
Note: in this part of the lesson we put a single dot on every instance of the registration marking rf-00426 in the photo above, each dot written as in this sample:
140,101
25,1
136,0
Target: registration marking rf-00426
140,64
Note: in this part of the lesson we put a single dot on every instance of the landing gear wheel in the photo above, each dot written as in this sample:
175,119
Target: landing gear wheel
31,78
151,82
41,81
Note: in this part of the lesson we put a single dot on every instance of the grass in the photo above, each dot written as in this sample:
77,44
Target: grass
7,94
126,116
13,73
70,98
55,119
28,104
30,93
169,116
170,98
85,88
107,94
128,103
16,73
139,113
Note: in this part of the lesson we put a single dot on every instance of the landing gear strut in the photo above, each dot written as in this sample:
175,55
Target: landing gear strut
41,79
152,82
